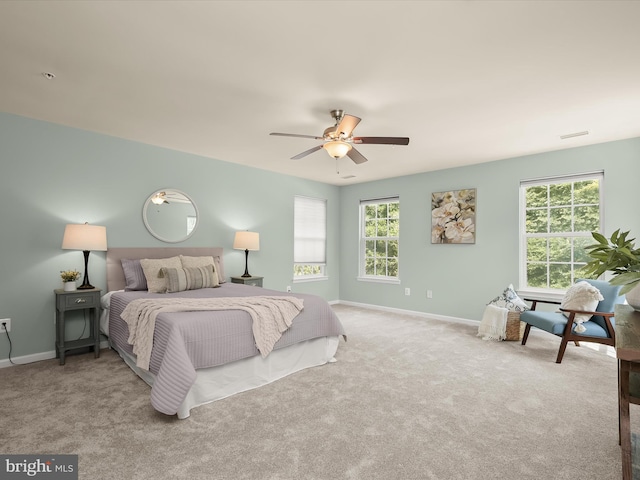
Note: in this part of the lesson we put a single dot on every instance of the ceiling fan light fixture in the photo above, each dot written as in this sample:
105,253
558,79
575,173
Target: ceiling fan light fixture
337,148
158,198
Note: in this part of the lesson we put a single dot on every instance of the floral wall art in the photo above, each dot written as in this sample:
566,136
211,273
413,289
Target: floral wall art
453,216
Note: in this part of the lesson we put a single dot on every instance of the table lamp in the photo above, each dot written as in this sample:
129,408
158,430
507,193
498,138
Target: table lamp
246,241
85,237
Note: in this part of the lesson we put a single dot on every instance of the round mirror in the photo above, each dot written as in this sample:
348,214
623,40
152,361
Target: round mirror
170,215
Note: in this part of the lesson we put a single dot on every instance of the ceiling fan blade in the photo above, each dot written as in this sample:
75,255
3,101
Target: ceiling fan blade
347,124
306,152
382,140
296,135
356,156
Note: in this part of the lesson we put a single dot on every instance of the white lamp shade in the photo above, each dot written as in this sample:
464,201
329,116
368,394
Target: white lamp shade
247,241
85,237
336,148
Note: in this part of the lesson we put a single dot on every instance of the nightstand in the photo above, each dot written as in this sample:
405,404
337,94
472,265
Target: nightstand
255,281
77,300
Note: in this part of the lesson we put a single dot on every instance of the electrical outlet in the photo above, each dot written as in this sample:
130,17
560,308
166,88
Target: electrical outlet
4,321
429,294
407,291
289,288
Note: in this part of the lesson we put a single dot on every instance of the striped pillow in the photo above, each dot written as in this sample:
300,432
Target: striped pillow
190,278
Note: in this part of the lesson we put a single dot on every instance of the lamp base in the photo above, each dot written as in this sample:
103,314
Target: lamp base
85,282
246,264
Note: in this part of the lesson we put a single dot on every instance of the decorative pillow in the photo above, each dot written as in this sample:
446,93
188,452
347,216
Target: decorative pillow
190,278
152,267
202,261
133,274
509,300
581,296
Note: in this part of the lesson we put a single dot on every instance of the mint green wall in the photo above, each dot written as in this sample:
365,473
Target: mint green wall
464,278
52,175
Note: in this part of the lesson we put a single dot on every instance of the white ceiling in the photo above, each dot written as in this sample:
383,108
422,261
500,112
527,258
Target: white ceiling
467,81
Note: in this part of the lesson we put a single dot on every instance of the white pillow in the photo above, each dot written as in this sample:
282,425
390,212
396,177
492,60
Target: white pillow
510,300
151,268
581,296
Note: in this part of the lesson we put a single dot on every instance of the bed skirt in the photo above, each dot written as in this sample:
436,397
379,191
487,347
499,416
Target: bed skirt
219,382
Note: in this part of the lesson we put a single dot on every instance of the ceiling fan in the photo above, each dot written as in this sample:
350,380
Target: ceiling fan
162,197
339,140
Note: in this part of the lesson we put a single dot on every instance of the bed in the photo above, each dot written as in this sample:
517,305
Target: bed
201,356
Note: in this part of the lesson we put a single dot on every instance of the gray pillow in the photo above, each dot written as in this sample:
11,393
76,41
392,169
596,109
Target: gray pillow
134,275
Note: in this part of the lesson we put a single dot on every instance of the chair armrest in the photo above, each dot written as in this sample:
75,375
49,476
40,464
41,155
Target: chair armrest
542,301
534,302
602,314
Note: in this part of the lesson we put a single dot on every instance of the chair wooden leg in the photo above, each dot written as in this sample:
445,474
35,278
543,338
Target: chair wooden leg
525,335
563,347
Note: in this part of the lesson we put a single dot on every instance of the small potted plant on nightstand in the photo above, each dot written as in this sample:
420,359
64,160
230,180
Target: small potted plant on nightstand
69,278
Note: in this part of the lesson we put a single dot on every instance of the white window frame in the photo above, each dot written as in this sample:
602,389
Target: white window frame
362,276
309,223
552,293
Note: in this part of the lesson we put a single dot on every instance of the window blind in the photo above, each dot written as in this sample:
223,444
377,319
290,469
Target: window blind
309,230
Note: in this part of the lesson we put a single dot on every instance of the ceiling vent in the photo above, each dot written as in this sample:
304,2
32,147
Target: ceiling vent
571,135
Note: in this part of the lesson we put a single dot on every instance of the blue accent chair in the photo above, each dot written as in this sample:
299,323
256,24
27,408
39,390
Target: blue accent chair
599,329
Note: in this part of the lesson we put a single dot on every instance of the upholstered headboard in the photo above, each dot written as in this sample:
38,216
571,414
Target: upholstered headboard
115,274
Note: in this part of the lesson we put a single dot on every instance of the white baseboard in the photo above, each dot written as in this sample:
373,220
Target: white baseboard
445,318
37,357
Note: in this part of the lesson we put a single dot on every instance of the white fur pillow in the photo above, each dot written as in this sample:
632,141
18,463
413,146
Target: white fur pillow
581,296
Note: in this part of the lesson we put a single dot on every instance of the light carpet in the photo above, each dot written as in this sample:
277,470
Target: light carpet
409,398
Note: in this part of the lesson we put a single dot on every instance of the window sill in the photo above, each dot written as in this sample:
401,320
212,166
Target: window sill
542,294
393,281
317,278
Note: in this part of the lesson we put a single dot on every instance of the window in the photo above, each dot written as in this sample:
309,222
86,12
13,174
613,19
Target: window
309,238
557,217
379,239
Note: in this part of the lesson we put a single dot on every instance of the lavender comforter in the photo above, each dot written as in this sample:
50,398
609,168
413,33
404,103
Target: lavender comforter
186,341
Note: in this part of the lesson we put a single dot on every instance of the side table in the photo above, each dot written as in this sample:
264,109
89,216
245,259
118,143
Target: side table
77,300
255,281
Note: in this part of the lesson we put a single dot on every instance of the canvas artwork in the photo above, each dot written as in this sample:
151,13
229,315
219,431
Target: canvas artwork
453,216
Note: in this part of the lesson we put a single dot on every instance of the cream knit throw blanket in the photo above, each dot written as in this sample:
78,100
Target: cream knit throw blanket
272,316
493,325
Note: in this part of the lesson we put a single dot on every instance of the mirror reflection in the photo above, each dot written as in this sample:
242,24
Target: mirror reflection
170,215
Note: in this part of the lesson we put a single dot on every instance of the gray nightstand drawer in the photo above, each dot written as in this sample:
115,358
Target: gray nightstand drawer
78,300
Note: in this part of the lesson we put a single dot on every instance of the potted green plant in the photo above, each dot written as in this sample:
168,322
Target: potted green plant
618,256
69,278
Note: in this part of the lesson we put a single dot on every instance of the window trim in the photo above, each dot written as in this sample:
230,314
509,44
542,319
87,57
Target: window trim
548,293
362,277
